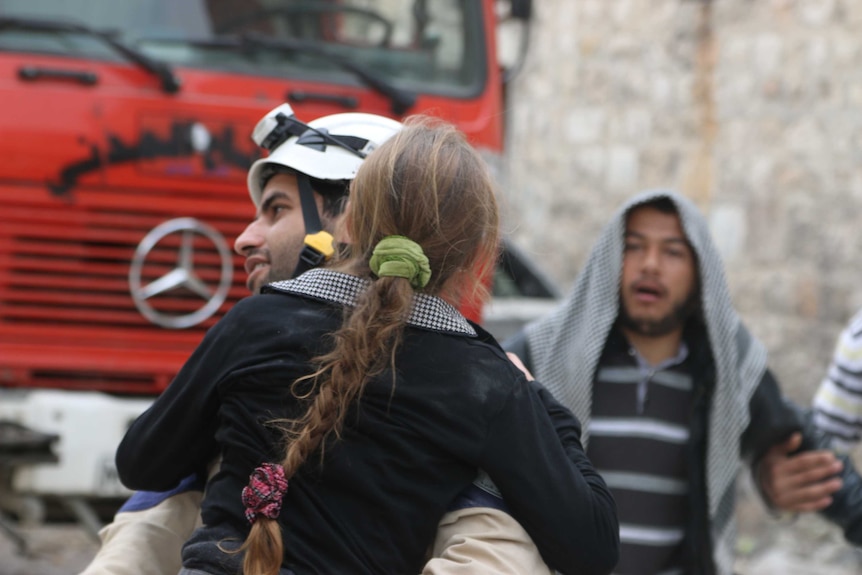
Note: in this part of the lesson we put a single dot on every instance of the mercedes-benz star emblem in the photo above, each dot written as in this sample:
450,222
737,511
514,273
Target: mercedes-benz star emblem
182,276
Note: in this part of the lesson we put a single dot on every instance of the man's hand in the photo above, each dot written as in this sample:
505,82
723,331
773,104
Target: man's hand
801,482
520,365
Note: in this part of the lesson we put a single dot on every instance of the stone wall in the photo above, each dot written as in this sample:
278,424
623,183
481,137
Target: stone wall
753,108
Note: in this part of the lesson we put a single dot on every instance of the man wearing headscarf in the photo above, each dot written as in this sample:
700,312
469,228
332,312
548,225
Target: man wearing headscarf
673,392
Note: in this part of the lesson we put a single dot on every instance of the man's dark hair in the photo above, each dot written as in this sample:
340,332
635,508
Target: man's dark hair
663,204
333,192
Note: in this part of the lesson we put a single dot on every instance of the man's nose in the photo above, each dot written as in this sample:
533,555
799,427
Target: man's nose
652,259
251,238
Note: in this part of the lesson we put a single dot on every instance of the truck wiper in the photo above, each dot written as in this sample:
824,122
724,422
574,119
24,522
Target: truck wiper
170,83
400,100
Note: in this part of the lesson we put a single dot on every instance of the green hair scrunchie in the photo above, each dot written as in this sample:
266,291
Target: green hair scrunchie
397,256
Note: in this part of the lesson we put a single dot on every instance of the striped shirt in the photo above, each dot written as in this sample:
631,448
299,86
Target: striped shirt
838,402
639,438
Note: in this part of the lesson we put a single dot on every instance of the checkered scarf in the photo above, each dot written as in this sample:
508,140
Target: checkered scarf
565,348
428,312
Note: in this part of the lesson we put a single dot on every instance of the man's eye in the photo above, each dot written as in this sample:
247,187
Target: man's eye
631,247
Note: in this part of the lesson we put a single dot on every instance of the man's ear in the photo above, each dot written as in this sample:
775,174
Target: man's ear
341,225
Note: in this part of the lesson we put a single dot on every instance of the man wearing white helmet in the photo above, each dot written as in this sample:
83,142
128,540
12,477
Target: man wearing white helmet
304,180
299,190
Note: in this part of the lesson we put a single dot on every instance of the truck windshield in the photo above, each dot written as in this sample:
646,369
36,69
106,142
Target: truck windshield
431,46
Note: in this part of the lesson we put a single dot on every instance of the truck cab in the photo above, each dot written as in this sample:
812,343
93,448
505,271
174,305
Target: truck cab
125,133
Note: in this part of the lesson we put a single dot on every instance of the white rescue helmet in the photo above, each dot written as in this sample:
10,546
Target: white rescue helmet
328,148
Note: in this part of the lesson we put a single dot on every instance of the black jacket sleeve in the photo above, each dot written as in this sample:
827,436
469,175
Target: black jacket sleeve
175,437
773,419
553,491
568,429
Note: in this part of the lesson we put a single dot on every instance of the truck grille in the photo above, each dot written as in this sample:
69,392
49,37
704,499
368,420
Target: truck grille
67,316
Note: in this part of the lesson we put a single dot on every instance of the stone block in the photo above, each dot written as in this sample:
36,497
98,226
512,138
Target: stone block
593,9
585,125
637,125
623,167
805,135
817,56
592,160
816,12
734,48
728,225
850,13
781,6
661,91
622,11
767,52
845,47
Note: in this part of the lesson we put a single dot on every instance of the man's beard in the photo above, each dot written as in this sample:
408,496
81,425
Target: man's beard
280,268
677,318
274,274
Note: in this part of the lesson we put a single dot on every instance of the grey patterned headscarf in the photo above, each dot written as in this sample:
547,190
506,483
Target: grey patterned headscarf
565,348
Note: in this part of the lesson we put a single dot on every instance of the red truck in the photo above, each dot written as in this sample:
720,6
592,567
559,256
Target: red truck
125,137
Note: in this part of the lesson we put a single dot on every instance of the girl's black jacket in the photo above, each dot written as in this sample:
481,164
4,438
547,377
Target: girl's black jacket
372,503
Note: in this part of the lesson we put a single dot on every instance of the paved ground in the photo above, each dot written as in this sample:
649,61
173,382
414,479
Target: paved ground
804,547
54,550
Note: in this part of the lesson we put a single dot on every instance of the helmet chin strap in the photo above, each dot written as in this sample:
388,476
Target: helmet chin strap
318,244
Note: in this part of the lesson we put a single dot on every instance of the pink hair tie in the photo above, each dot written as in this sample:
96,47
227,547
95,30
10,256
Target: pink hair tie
264,492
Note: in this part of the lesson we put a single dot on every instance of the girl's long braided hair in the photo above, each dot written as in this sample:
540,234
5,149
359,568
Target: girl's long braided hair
426,183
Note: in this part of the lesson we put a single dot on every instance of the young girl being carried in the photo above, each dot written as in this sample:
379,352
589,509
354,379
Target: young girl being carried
351,405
